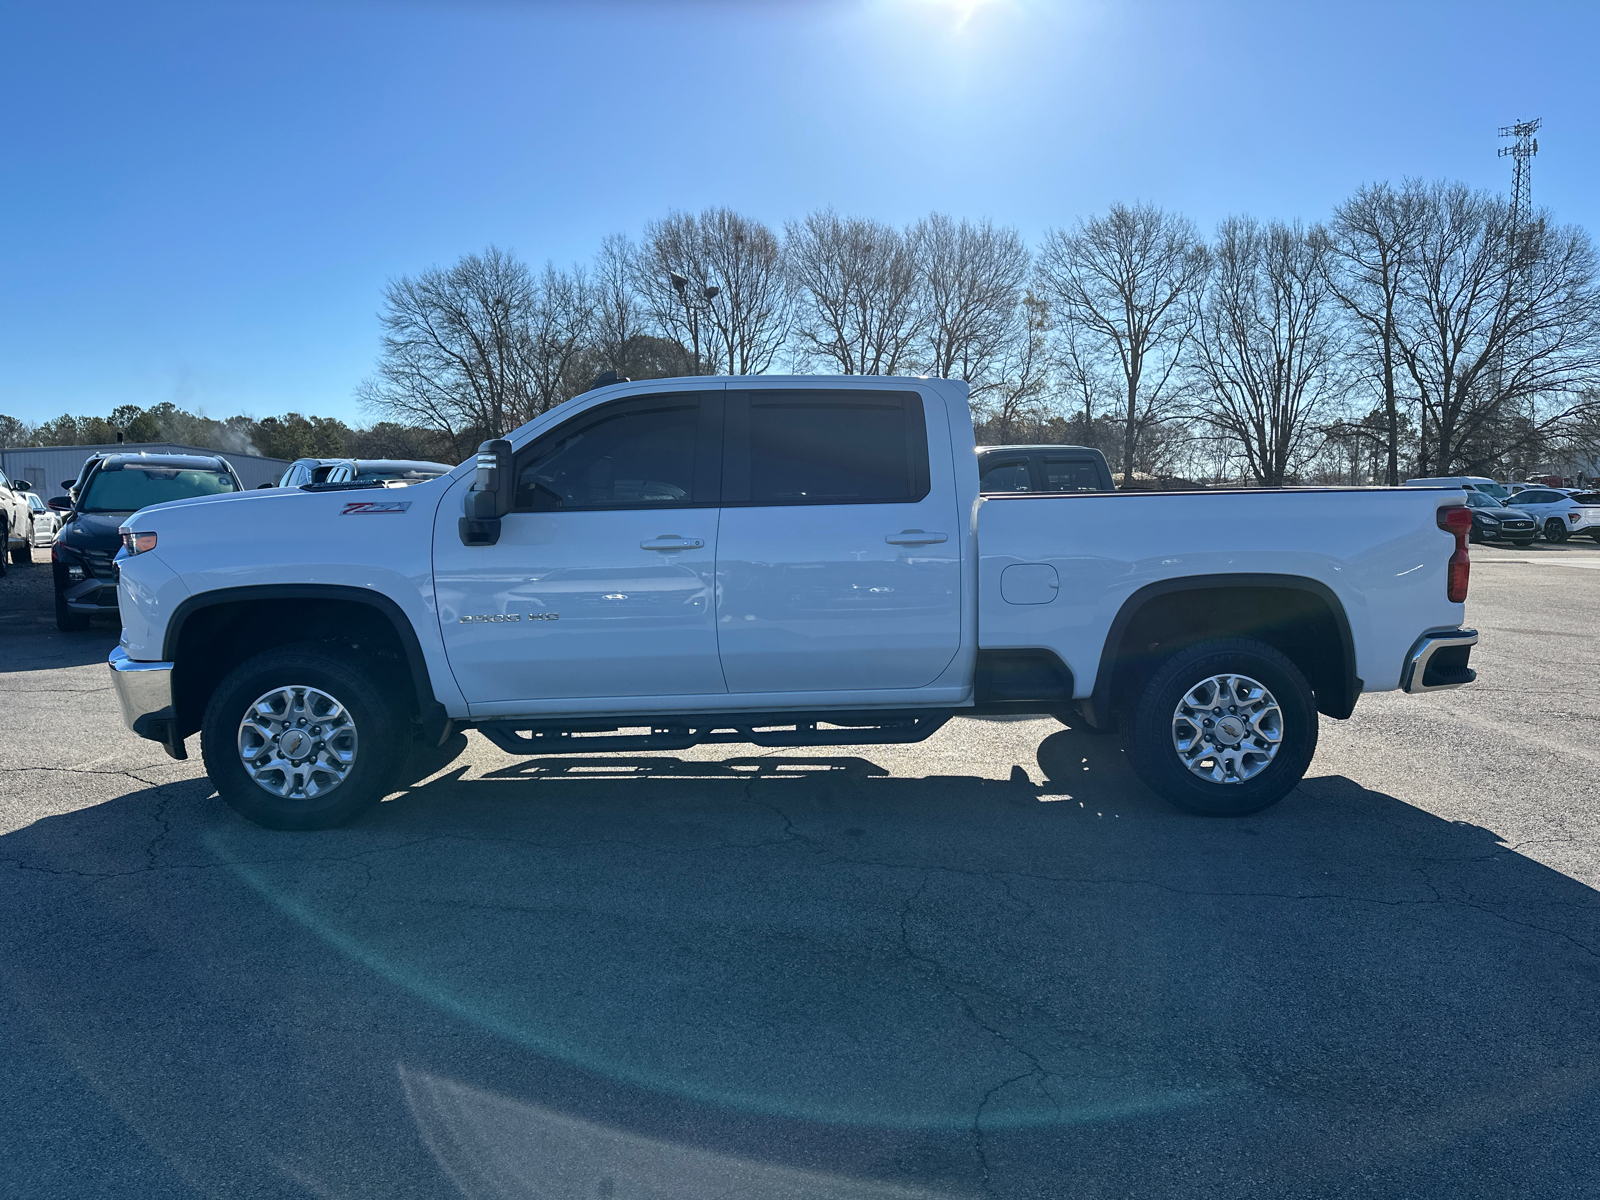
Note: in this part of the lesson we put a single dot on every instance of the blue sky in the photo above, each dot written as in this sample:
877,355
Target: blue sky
202,202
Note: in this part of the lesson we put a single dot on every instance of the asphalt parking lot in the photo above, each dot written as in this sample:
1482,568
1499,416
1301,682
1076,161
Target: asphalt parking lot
990,964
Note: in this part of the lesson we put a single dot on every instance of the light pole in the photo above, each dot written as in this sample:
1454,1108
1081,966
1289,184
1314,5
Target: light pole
691,309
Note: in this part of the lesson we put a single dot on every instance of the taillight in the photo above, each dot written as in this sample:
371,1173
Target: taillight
1457,519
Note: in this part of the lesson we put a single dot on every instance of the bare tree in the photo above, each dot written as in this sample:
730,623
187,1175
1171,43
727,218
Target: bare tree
1373,236
856,287
456,348
1265,343
1016,405
619,311
674,248
750,312
1125,280
1496,323
560,329
734,307
973,277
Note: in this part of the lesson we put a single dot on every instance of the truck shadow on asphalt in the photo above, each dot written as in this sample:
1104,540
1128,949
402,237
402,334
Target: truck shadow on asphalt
799,977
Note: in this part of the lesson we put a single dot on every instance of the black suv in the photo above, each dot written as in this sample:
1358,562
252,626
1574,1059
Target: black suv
113,488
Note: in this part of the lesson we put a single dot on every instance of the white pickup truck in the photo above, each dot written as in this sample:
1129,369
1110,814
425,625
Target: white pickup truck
784,561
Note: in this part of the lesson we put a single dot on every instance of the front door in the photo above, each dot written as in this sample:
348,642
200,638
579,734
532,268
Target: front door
602,581
839,552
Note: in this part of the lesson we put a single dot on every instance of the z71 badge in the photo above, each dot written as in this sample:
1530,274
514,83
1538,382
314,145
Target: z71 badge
375,507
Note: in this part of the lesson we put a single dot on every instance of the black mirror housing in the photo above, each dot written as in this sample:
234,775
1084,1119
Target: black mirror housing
21,485
493,492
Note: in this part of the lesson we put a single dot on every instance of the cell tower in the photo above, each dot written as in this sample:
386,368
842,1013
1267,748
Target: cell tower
1521,151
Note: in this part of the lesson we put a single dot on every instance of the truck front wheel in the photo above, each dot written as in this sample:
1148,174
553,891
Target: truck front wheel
303,737
1224,728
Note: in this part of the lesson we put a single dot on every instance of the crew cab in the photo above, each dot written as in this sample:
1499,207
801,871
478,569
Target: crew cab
783,561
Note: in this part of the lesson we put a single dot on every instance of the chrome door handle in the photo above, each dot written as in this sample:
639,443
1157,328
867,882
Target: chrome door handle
915,537
671,541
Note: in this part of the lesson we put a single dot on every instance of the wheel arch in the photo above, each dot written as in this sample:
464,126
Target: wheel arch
288,613
1292,613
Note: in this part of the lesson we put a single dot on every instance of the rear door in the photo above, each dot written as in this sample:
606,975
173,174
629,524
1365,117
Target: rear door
838,562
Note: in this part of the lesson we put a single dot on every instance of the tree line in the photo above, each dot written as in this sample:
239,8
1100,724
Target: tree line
1425,328
1418,330
288,436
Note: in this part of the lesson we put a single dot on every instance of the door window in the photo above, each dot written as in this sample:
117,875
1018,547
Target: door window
633,454
1010,476
825,447
1070,475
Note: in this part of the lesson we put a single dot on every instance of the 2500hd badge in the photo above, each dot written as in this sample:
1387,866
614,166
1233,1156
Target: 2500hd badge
505,618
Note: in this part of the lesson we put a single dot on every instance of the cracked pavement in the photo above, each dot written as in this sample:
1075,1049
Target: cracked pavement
988,965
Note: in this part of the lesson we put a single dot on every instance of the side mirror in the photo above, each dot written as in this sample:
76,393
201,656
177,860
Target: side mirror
491,497
68,484
259,486
21,485
58,504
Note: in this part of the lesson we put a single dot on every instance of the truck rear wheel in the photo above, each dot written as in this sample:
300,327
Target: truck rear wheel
1224,728
303,737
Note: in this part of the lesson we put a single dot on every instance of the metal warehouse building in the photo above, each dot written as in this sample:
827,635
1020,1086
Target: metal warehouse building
46,466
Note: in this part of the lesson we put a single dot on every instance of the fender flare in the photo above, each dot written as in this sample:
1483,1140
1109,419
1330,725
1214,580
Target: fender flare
1098,706
432,712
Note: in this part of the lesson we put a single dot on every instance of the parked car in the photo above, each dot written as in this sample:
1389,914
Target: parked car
1495,522
1471,483
309,472
85,549
1042,469
46,522
1560,514
779,561
16,522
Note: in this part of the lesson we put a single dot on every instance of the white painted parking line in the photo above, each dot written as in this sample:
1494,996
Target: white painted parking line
1589,565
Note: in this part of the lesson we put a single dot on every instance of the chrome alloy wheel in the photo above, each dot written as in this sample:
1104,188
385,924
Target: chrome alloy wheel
1227,728
297,742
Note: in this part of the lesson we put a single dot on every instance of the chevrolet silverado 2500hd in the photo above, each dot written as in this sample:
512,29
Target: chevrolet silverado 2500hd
782,561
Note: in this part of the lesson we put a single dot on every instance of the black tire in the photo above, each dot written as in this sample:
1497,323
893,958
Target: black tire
366,689
1555,530
22,555
1474,537
1595,534
5,540
1154,755
68,621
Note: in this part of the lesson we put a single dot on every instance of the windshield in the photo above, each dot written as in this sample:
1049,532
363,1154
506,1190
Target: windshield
1478,500
135,487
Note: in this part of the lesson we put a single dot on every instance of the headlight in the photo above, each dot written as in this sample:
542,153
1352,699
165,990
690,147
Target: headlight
136,543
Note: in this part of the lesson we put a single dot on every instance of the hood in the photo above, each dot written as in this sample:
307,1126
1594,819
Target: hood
1503,513
93,531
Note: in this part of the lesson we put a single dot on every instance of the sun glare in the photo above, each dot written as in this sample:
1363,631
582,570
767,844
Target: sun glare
960,11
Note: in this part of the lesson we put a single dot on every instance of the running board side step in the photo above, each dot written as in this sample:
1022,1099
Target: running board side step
759,729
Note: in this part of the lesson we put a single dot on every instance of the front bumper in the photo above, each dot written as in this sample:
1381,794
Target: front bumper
1438,661
144,691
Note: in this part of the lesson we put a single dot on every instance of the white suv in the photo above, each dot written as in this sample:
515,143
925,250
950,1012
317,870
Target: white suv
16,522
1560,514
